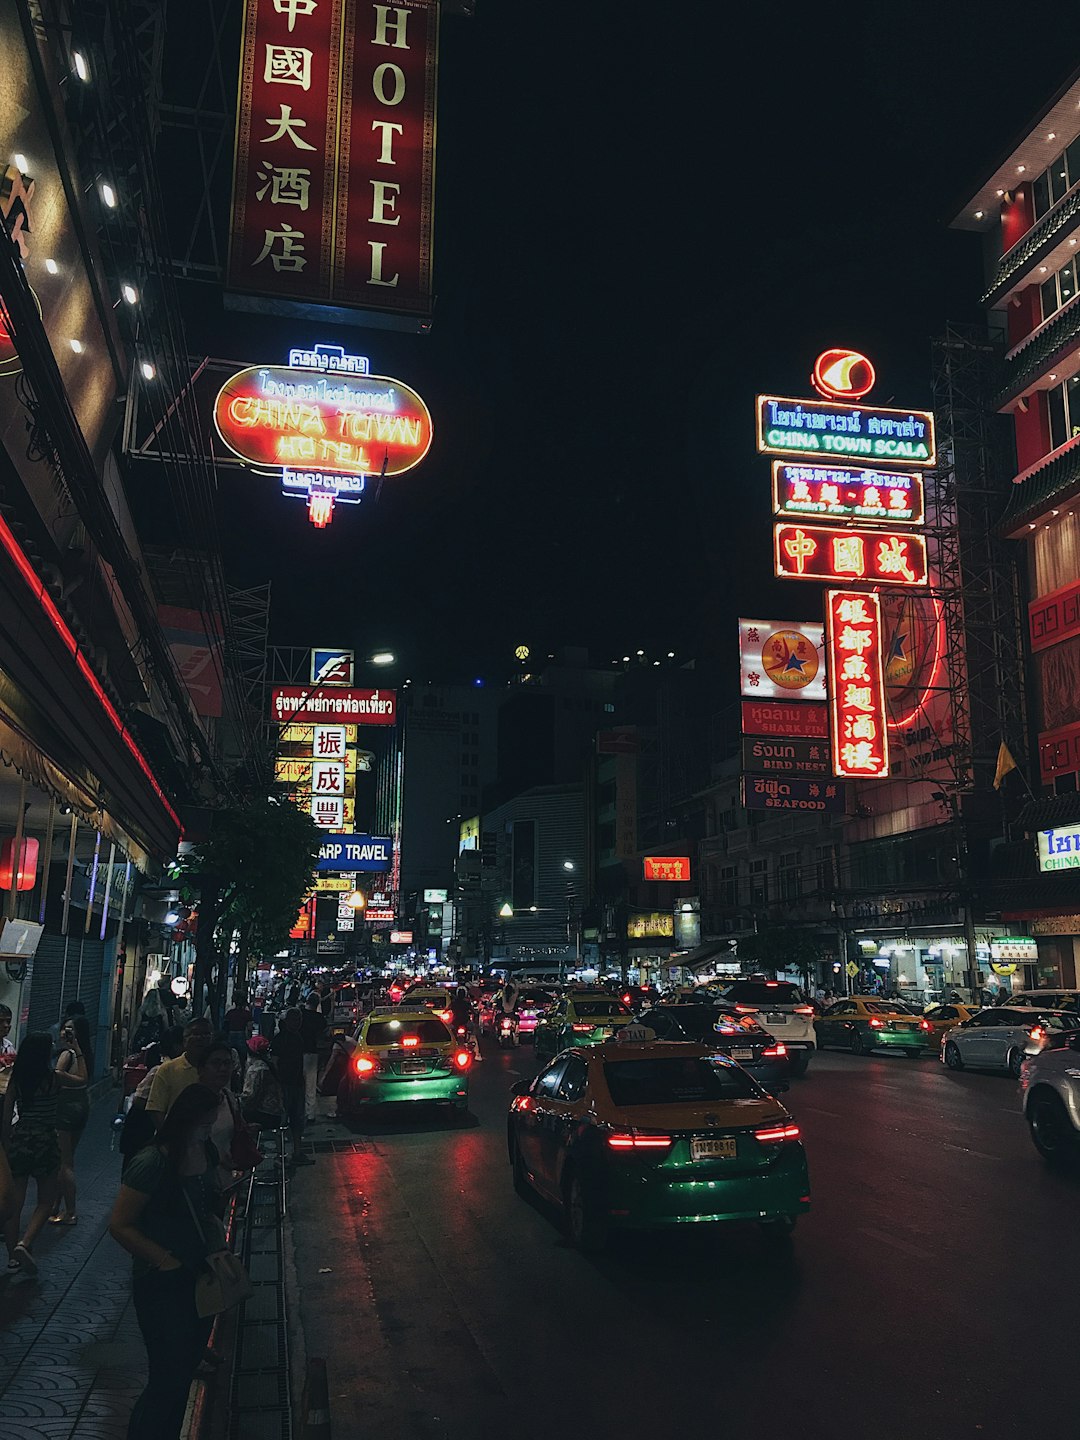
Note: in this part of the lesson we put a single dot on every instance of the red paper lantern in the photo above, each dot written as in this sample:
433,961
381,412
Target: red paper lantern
27,876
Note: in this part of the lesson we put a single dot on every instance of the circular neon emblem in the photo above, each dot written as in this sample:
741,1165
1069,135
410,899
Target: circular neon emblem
843,375
789,659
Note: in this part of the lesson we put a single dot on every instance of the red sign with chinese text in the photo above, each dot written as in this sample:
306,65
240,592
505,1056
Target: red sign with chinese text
813,552
1059,752
333,180
667,867
310,705
780,717
847,492
1054,617
860,737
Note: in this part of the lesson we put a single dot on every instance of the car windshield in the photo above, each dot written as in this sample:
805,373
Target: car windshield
763,992
1066,1021
428,997
589,1009
535,997
392,1032
675,1080
888,1007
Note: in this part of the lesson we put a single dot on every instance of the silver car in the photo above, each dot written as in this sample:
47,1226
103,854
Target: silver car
778,1007
1050,1085
1003,1036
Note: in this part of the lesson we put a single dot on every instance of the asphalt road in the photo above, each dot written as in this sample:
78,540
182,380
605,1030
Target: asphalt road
930,1292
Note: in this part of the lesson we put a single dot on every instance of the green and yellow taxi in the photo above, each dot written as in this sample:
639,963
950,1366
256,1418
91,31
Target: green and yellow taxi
645,1134
938,1020
586,1017
861,1023
403,1057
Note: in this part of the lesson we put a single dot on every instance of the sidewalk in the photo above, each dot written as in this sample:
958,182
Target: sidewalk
71,1358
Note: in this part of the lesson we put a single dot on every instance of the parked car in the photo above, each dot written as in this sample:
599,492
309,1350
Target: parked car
654,1135
1050,1084
862,1023
937,1020
1046,999
1002,1036
740,1037
781,1009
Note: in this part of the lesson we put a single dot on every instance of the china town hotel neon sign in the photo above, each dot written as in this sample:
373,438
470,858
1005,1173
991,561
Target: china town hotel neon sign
323,424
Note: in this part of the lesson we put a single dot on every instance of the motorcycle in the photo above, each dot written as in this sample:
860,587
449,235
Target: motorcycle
506,1028
463,1037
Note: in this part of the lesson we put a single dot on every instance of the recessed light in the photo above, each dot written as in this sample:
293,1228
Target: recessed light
21,162
146,370
82,70
1053,377
1053,512
1020,169
1032,525
52,267
978,214
130,294
1042,269
77,346
108,194
1073,240
1052,135
999,193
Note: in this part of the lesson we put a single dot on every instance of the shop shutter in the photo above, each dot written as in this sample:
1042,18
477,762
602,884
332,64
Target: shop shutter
67,967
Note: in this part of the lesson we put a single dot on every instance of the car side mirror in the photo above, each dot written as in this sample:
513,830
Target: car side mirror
1074,1040
522,1087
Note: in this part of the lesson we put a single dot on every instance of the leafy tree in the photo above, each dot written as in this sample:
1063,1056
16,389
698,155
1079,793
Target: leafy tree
252,874
781,949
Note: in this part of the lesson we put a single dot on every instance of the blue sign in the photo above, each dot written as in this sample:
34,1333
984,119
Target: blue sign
355,852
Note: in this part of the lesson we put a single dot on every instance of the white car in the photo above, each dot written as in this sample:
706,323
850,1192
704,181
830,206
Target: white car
1002,1037
780,1008
1050,1084
427,997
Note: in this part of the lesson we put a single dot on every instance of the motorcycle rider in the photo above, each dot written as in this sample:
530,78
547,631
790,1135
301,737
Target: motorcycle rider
460,1009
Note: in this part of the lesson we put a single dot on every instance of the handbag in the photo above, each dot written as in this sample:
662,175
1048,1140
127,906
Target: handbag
244,1150
224,1282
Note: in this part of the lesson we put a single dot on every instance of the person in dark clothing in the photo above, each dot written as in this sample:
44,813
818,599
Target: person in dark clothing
287,1049
312,1030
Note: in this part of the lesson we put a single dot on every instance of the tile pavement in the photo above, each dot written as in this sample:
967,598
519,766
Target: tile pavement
71,1359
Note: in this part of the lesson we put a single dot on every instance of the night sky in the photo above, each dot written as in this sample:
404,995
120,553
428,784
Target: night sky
645,213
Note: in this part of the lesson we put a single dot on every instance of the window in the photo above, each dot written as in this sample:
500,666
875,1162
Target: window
823,867
1063,403
547,1083
677,1082
391,1032
762,992
759,881
787,876
729,885
573,1081
1048,188
1058,290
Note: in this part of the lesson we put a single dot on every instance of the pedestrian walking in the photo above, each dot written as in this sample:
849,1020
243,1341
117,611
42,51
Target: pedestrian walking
238,1023
28,1134
7,1048
162,1216
261,1101
287,1048
174,1076
72,1010
72,1113
216,1072
312,1030
138,1129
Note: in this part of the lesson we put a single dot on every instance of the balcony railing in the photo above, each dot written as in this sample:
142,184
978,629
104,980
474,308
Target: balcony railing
1025,364
1043,235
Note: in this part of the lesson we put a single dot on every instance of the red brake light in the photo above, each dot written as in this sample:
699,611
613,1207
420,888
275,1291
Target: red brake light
772,984
804,1009
875,1024
461,1059
777,1134
745,1009
363,1065
640,1142
410,1042
582,1029
1037,1032
778,1049
443,1014
925,1025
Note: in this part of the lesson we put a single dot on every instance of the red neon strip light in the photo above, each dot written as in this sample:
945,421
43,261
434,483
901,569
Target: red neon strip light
60,625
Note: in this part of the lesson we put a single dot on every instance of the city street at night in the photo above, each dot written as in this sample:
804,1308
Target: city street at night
923,1294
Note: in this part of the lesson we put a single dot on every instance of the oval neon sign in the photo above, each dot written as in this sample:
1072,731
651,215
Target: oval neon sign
276,417
843,375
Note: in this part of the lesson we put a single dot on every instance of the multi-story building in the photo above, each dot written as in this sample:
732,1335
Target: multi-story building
1027,210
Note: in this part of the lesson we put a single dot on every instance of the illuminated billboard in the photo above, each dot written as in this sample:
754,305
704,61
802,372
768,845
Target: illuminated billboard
844,492
774,717
810,428
306,705
781,659
853,633
666,867
842,375
766,792
814,552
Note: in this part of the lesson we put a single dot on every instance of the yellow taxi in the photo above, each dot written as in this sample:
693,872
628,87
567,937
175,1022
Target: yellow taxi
938,1019
645,1133
580,1017
403,1056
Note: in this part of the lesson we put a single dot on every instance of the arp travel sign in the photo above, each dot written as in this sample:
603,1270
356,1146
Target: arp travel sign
811,428
844,492
877,557
308,705
355,852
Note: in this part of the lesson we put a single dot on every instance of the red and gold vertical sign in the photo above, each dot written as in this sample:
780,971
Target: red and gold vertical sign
856,683
284,174
383,245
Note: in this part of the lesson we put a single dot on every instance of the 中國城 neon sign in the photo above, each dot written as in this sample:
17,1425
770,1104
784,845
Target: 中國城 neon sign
324,426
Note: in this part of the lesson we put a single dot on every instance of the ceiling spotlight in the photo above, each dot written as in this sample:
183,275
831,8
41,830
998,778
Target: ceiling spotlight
172,917
1042,269
978,214
130,294
52,267
82,70
146,370
21,163
1052,135
77,346
999,193
671,654
108,194
1020,169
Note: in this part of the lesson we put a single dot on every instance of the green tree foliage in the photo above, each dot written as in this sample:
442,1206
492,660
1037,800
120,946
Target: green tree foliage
781,949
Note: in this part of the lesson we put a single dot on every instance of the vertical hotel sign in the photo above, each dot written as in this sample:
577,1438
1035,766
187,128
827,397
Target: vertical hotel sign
333,179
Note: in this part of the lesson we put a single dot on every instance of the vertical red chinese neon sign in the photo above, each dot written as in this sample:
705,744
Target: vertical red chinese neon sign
856,685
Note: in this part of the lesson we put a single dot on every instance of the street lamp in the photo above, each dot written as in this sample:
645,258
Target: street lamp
357,900
506,910
383,657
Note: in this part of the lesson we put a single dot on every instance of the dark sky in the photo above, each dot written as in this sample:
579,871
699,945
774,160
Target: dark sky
646,213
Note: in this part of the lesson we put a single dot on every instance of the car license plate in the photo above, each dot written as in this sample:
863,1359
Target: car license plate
414,1067
776,1018
713,1149
907,1028
742,1054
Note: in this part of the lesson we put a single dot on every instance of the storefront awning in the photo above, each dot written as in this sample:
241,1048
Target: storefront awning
703,955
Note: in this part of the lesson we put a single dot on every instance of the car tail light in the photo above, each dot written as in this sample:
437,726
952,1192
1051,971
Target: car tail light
444,1015
522,1102
772,984
804,1009
925,1025
582,1029
778,1049
745,1009
640,1142
410,1042
875,1024
626,999
1037,1032
364,1065
462,1059
506,1023
777,1134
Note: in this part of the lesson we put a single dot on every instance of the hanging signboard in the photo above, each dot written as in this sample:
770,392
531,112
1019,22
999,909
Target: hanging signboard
332,667
810,428
355,852
781,659
333,178
1059,849
859,729
813,552
777,717
305,705
666,867
785,757
842,492
767,792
